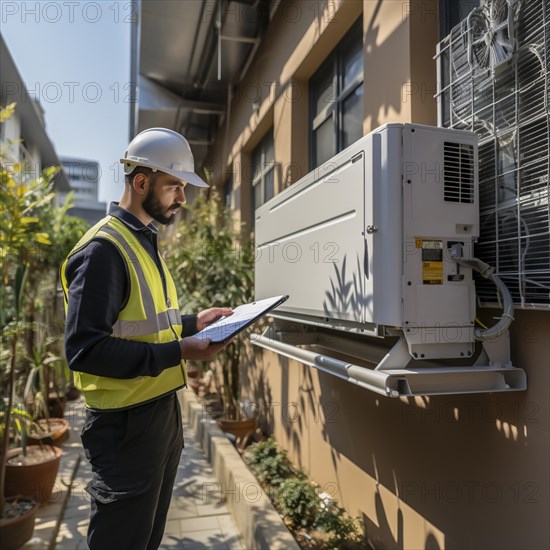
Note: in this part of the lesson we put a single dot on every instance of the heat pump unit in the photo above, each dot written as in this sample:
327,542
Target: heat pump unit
376,247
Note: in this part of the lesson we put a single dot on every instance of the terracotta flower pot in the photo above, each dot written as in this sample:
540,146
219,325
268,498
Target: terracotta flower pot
238,428
34,476
57,431
16,531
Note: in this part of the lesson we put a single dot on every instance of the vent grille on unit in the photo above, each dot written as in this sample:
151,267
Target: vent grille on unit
458,172
503,94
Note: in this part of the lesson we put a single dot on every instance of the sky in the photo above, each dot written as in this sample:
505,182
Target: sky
75,57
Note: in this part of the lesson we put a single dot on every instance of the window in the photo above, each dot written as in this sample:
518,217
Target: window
336,99
263,173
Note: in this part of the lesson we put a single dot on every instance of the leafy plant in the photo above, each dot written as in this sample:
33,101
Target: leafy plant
270,463
297,498
299,501
213,266
21,425
46,374
342,529
63,231
23,235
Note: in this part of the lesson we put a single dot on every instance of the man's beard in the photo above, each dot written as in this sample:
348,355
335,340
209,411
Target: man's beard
152,206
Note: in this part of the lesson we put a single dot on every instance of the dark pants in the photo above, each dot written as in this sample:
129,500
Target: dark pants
134,455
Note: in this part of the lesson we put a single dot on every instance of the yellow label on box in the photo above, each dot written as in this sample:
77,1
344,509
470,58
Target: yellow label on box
432,273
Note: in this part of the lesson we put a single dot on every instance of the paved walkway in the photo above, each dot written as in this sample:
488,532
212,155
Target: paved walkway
196,520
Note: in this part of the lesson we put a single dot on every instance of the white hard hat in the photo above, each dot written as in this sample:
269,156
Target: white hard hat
163,150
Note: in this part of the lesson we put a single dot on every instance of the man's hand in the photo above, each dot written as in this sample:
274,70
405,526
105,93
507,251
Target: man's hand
209,316
199,349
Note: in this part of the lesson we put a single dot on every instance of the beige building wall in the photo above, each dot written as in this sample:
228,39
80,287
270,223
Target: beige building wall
461,471
273,95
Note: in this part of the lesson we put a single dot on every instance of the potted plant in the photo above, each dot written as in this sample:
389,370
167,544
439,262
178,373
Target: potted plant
52,384
16,514
49,425
45,392
213,264
31,469
20,232
17,522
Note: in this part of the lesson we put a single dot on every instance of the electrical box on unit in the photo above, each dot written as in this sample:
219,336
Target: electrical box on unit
367,243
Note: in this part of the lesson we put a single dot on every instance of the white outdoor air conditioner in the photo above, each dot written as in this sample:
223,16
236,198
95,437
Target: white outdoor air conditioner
375,249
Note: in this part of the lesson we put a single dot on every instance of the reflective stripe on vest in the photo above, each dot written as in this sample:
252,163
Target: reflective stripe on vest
148,316
154,322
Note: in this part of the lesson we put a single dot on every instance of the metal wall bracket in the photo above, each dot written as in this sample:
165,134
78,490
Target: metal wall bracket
395,373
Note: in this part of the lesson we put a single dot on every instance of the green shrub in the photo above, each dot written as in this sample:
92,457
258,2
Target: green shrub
297,499
342,529
264,449
299,502
270,463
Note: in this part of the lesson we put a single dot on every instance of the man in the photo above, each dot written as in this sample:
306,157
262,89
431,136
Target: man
127,344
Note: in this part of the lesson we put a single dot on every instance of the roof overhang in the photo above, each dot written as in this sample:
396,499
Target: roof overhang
185,57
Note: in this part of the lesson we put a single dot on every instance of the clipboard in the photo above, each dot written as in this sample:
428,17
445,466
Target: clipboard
243,316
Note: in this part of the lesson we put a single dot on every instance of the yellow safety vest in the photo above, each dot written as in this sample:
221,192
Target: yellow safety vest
147,317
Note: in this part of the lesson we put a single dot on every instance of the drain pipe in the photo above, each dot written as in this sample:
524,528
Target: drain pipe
488,272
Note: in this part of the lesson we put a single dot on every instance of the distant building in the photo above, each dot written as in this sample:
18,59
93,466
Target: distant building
83,176
24,133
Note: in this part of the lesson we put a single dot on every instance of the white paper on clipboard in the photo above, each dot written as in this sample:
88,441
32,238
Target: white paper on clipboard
242,317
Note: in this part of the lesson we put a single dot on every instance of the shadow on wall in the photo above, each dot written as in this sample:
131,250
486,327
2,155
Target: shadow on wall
254,379
382,527
384,96
256,383
449,461
272,412
385,533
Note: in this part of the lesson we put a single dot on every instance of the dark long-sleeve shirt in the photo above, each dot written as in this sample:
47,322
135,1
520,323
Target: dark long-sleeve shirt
99,288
